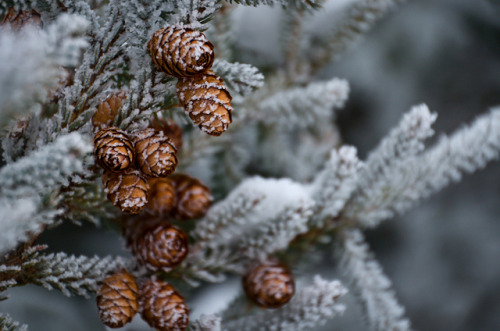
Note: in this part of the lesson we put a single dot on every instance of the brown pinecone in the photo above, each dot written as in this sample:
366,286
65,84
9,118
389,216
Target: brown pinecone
117,299
160,247
193,199
128,190
107,110
181,52
161,196
156,154
207,102
21,19
269,285
162,307
171,130
113,149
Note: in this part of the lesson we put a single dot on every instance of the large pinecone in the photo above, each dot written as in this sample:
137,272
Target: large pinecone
107,110
128,191
162,307
193,199
160,246
269,285
207,102
156,154
117,299
161,196
113,149
181,52
22,18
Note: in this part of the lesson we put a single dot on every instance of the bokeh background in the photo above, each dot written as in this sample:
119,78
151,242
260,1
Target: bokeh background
444,255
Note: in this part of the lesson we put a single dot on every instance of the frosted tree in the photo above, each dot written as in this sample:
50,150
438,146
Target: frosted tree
142,116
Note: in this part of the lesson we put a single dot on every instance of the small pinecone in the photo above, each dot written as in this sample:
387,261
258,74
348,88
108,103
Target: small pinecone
128,191
160,247
193,198
107,110
117,299
171,130
181,52
113,149
156,154
162,307
269,285
22,18
207,102
161,196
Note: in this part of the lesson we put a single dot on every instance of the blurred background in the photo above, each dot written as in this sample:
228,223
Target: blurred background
444,255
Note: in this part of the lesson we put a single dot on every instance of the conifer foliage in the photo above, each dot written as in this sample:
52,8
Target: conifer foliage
136,115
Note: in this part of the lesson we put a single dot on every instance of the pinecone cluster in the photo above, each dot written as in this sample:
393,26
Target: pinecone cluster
160,305
188,55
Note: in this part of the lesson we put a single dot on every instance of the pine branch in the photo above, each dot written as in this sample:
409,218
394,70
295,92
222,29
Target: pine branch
418,176
370,285
241,79
303,107
313,306
207,323
292,4
8,324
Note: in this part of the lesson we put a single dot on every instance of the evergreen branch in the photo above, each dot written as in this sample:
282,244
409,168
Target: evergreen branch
371,285
360,18
240,78
292,4
303,107
8,324
418,176
310,308
70,274
207,323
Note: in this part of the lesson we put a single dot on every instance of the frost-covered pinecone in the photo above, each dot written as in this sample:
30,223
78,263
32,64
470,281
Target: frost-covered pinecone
193,199
171,130
117,299
207,102
128,190
162,307
156,154
107,110
269,285
18,20
161,246
181,52
161,196
113,149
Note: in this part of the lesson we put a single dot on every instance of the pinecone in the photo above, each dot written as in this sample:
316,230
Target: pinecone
113,149
269,285
156,154
117,299
160,247
161,196
181,52
22,18
162,307
193,198
171,130
128,191
107,110
207,102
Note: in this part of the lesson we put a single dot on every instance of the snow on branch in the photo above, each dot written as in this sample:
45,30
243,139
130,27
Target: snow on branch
240,78
71,274
333,186
31,179
371,285
207,323
8,324
313,306
30,62
302,107
418,176
194,12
